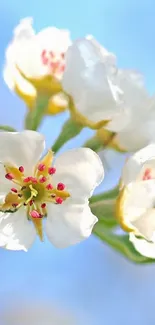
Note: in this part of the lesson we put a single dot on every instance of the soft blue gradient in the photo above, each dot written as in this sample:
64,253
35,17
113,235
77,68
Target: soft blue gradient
93,282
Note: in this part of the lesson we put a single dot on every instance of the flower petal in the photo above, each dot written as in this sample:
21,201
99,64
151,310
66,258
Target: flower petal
136,207
144,247
81,170
16,232
69,224
21,148
89,81
135,163
54,39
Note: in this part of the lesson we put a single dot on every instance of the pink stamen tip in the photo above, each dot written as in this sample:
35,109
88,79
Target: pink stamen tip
14,205
21,169
147,174
51,170
60,186
35,214
9,176
31,202
62,55
27,179
49,187
41,167
14,190
43,206
33,180
59,200
43,179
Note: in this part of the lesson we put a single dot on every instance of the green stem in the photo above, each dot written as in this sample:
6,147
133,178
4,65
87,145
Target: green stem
35,117
111,194
93,143
7,128
105,211
69,130
121,244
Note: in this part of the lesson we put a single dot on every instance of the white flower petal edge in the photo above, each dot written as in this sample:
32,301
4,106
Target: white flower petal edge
144,247
135,163
81,170
21,148
16,232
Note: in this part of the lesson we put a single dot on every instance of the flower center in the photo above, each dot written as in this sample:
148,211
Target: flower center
33,192
55,62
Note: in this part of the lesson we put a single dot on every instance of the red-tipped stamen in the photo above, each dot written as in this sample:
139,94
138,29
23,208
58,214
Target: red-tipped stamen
33,180
9,176
21,169
49,187
31,202
14,190
14,205
43,206
147,174
51,170
41,167
59,200
27,179
35,214
60,186
42,179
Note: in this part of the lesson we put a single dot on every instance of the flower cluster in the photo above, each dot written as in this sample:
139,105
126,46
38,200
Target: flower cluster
83,77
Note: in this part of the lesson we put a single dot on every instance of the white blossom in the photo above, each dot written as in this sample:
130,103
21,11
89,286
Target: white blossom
136,202
33,190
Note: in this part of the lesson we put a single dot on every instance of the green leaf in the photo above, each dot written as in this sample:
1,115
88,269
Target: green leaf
112,194
35,117
94,143
7,128
105,211
70,130
121,244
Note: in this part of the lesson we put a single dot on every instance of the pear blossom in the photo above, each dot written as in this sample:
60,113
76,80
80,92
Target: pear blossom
100,91
31,189
136,202
36,62
91,81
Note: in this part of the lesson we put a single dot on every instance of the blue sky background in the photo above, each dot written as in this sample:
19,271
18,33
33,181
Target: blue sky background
94,283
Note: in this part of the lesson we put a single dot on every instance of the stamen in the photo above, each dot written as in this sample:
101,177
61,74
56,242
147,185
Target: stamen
62,55
19,195
35,214
49,187
43,206
147,174
14,205
33,180
51,170
60,186
21,169
31,202
23,188
43,179
59,200
41,167
9,176
27,179
14,190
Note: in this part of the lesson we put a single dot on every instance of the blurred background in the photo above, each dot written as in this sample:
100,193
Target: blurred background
89,283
